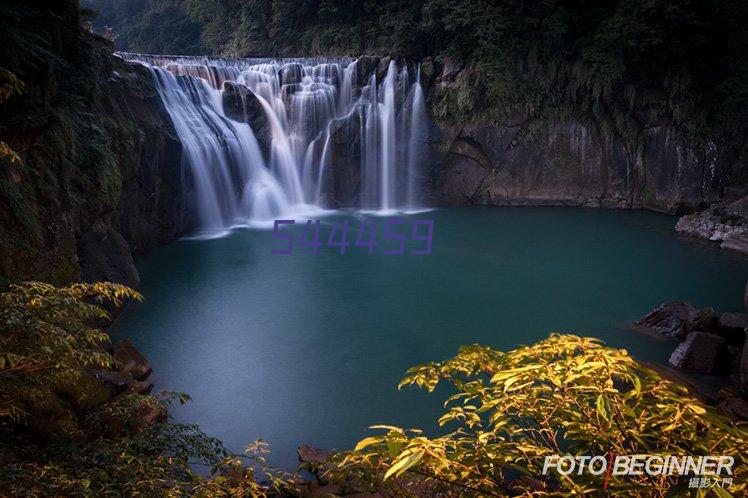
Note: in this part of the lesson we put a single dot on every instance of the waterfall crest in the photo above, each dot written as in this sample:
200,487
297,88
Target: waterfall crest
274,157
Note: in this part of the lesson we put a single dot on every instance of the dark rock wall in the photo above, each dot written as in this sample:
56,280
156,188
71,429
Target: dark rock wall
94,230
572,163
149,211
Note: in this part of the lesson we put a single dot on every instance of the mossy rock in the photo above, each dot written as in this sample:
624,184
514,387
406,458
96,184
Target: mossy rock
83,393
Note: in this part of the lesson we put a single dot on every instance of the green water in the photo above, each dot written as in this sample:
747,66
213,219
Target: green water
308,349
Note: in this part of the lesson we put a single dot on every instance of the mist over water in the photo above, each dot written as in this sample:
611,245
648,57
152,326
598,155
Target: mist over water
234,182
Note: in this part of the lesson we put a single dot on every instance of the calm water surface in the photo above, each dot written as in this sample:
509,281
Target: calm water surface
308,349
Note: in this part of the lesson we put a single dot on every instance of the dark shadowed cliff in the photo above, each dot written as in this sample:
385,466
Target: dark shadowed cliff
98,178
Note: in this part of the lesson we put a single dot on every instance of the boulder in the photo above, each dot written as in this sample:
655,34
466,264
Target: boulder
310,454
671,318
130,360
241,104
83,392
120,382
721,222
700,352
737,243
732,327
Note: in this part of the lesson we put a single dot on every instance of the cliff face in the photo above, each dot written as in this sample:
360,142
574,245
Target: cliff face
572,163
524,162
101,188
148,212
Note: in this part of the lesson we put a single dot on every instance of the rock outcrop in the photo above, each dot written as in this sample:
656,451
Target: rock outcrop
725,222
520,161
572,163
678,318
130,361
710,344
102,191
61,410
701,352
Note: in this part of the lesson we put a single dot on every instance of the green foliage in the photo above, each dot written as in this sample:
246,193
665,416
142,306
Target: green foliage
563,395
114,448
621,64
46,337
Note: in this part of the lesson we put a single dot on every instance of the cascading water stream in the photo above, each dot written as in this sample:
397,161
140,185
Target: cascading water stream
244,173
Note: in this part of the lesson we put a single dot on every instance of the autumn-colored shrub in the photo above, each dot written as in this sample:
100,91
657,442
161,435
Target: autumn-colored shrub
563,395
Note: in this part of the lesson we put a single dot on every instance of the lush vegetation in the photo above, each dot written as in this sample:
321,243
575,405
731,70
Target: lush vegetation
619,63
565,394
59,436
52,71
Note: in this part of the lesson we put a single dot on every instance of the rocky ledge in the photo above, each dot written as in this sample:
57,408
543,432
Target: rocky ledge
711,343
95,395
726,222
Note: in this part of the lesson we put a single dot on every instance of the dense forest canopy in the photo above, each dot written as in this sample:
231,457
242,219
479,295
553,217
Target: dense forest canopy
684,60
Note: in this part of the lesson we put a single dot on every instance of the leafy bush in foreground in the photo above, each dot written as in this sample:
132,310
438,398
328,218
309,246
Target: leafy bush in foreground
48,341
563,395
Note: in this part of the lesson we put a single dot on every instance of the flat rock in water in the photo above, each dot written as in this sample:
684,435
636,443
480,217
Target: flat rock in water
700,352
670,318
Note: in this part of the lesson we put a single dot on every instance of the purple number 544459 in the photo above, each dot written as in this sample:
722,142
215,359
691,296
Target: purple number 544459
394,230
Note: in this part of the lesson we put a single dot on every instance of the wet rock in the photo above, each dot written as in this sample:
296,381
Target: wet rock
700,352
241,104
82,393
721,222
383,67
671,318
737,243
291,74
732,327
120,382
311,454
364,67
131,360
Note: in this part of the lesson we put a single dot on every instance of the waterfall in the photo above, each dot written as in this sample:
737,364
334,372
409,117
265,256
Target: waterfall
417,139
240,169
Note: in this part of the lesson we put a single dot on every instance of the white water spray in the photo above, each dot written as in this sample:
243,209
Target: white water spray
236,183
